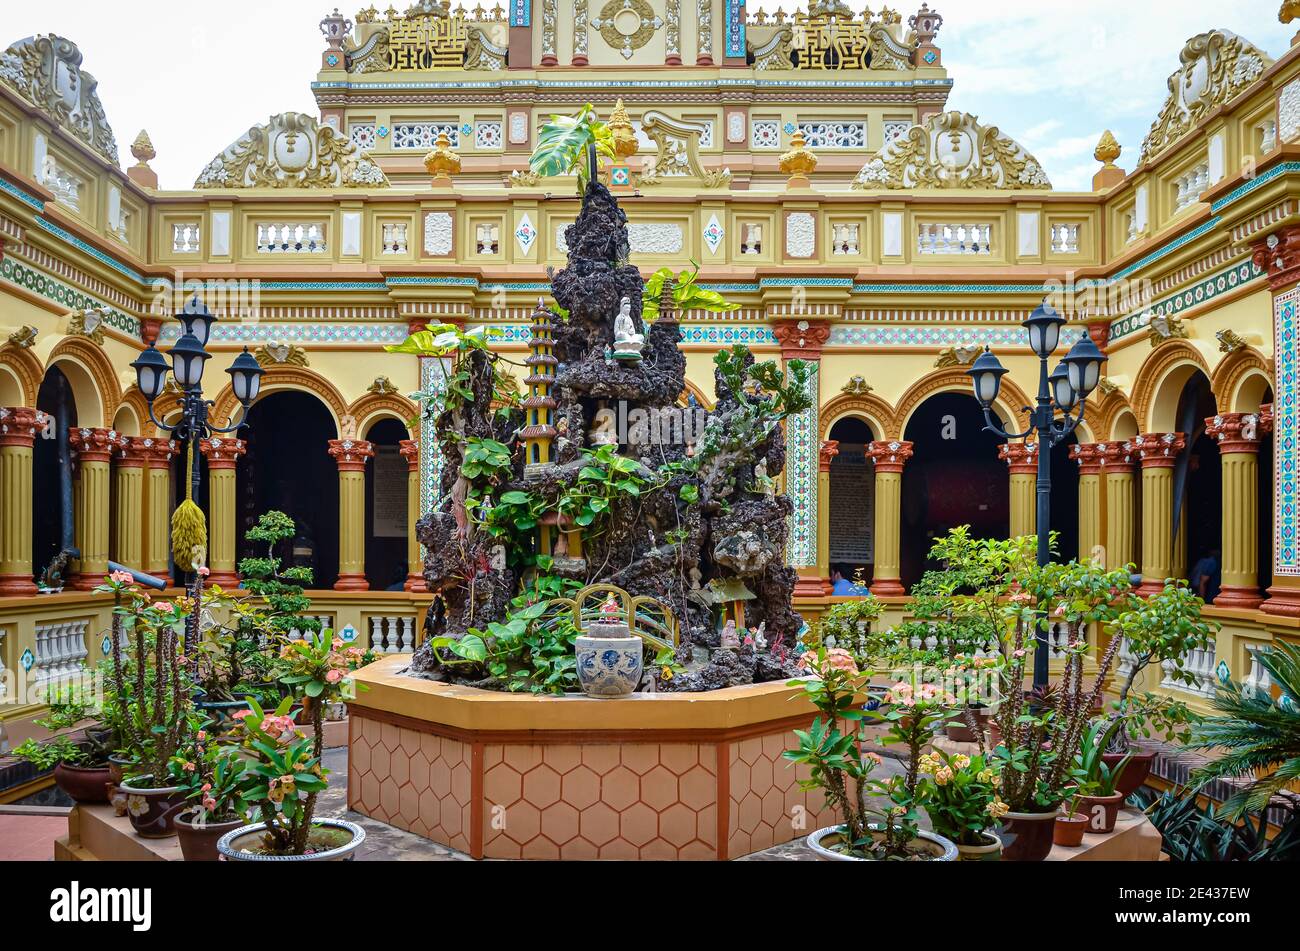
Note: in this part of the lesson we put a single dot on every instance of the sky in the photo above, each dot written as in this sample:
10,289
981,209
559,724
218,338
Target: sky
1051,74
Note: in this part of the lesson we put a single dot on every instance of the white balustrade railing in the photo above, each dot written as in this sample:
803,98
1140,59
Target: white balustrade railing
395,238
844,239
1190,185
1268,136
954,238
291,238
185,238
1257,682
1200,665
60,650
392,635
1064,238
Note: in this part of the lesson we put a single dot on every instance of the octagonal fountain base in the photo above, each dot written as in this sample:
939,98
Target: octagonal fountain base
655,776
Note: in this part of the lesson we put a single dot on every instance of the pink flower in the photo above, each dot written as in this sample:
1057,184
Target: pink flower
201,736
207,787
1019,652
121,577
334,676
204,572
874,757
210,804
241,714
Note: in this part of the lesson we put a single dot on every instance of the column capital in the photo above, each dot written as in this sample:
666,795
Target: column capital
133,454
1120,454
1090,456
1234,432
802,339
351,454
410,451
222,453
19,425
1266,418
830,449
1158,450
158,453
1021,457
890,456
96,445
1278,256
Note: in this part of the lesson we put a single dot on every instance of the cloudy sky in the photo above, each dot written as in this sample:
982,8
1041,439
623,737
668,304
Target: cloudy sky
1051,73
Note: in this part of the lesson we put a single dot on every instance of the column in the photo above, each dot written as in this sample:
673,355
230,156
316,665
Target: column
804,340
1022,461
1157,454
158,505
94,448
223,456
1089,456
889,458
410,450
830,449
18,427
1278,255
128,504
1117,462
351,456
1238,438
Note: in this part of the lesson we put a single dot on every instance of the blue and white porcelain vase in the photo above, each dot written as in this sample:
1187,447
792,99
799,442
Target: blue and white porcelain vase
609,661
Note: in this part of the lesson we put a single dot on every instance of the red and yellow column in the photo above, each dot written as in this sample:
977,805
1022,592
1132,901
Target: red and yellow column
1238,437
222,455
18,427
415,582
158,454
128,504
351,456
890,457
1022,462
1118,459
1157,454
94,448
1089,456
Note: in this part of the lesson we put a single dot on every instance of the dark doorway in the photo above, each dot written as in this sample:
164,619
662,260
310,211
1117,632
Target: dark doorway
50,454
954,478
1201,486
386,504
1065,500
289,469
853,498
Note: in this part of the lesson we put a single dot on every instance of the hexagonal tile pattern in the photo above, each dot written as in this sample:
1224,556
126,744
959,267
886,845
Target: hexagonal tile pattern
767,808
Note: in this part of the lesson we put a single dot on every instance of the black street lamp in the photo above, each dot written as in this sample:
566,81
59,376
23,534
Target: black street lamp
188,359
1064,389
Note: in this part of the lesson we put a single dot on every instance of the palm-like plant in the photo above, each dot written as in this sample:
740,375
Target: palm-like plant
572,143
1258,736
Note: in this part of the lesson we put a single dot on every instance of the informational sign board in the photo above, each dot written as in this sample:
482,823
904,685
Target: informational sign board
390,487
853,507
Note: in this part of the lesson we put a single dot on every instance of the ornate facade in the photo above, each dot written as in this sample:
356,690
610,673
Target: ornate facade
807,161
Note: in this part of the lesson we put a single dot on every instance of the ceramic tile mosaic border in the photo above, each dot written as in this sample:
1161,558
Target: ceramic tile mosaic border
93,251
433,377
803,449
376,333
24,197
1202,292
20,275
922,336
1286,559
1241,191
699,334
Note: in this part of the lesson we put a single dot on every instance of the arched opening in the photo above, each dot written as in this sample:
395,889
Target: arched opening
288,469
11,388
954,478
1198,488
386,507
853,499
52,472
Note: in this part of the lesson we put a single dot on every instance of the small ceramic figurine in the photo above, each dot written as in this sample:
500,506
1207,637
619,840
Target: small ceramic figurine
763,483
627,342
610,611
730,639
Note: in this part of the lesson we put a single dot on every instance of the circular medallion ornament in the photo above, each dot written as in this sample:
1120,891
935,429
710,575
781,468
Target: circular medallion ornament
627,25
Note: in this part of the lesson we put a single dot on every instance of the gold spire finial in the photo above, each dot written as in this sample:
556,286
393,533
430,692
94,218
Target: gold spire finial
799,162
442,162
1108,149
142,148
620,124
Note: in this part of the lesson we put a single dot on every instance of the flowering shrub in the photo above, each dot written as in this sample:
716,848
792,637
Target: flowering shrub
213,781
961,795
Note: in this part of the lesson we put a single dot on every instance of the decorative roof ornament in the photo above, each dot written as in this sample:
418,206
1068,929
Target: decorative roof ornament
292,150
442,162
799,162
382,386
1216,67
620,125
23,337
1108,149
1162,329
678,156
952,150
46,71
1290,11
962,356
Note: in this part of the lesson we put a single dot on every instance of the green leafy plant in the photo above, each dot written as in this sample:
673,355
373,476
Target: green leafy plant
284,605
564,142
1092,774
1257,736
1193,832
961,795
47,754
851,625
212,779
687,294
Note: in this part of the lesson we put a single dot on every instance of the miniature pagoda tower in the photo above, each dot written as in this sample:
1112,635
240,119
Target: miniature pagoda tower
539,408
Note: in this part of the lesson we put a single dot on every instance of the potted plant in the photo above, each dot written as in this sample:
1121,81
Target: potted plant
1160,630
1102,802
150,691
213,785
1040,734
76,771
961,799
285,774
841,768
1070,823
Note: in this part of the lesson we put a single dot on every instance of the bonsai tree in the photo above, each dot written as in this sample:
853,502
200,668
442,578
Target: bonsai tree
572,143
281,589
1162,630
1258,736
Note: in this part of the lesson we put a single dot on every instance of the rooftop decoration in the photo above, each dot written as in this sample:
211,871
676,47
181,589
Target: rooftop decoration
1108,149
1215,67
830,36
292,150
428,36
442,162
952,150
46,71
799,162
678,156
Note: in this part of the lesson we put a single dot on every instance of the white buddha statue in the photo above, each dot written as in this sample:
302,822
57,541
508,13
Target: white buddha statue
627,342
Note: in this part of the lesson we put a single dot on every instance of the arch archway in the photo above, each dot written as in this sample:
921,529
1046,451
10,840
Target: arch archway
852,497
1240,379
1160,383
93,379
954,478
1008,407
21,375
387,480
279,378
288,469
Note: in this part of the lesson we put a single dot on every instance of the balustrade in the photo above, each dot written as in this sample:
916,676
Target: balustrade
954,238
60,650
291,238
392,634
1190,186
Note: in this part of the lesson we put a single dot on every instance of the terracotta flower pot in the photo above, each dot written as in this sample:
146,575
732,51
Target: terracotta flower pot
959,731
239,845
1135,773
823,841
82,784
1102,811
990,851
199,842
1027,836
153,810
1069,830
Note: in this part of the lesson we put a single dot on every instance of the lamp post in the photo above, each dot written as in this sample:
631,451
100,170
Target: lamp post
1064,389
188,358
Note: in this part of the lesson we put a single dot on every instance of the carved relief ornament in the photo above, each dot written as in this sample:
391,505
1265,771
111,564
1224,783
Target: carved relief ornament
46,71
292,150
